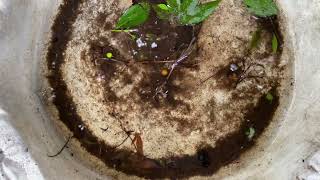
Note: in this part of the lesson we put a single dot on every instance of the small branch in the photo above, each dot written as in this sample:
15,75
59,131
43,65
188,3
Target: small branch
121,143
115,60
128,133
155,62
63,147
182,58
128,31
274,28
205,80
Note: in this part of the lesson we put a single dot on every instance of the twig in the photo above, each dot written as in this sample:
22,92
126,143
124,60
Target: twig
121,143
274,28
64,146
115,60
205,80
128,133
160,62
128,31
183,57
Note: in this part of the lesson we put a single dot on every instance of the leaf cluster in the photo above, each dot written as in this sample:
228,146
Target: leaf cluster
186,12
262,8
182,12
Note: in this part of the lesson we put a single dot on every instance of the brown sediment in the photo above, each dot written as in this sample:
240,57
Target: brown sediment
208,159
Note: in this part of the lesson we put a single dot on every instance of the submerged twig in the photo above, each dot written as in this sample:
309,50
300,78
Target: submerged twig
63,147
205,80
155,62
274,28
128,31
128,133
182,57
121,142
115,60
161,89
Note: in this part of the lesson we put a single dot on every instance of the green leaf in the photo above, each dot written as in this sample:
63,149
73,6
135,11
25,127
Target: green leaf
275,44
174,4
250,133
134,16
269,97
163,7
189,7
256,37
200,13
262,8
162,10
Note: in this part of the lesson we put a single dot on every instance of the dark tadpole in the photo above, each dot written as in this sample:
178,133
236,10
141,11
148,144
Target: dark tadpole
203,157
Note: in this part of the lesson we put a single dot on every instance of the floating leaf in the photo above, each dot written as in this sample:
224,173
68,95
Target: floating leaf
189,7
163,7
275,44
162,10
174,5
134,16
250,133
262,8
197,14
269,97
256,37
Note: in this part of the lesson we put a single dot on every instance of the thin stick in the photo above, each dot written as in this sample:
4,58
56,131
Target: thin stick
205,80
183,57
160,62
128,133
121,143
274,28
114,60
64,146
128,31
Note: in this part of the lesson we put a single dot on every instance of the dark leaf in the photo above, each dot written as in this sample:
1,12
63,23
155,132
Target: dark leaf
138,144
134,16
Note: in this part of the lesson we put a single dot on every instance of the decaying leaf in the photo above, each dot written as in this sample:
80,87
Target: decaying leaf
137,142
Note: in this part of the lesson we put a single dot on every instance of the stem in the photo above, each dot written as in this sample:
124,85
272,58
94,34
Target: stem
182,58
160,62
274,28
127,31
114,60
64,146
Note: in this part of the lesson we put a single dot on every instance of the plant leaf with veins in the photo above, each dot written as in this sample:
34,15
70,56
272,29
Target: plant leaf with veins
134,16
189,12
198,13
262,8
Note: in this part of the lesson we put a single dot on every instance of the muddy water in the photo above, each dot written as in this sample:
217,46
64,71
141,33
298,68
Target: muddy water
201,156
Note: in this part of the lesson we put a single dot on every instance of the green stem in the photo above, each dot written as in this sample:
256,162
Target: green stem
128,31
